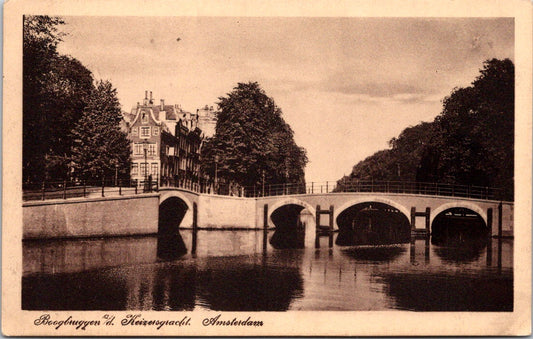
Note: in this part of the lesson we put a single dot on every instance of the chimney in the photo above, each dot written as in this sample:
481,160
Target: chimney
151,100
211,108
145,101
146,94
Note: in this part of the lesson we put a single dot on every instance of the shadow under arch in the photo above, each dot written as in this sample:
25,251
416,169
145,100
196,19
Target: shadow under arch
460,235
290,231
372,223
289,201
170,244
459,204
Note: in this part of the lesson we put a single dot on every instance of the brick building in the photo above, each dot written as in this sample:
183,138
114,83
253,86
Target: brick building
166,144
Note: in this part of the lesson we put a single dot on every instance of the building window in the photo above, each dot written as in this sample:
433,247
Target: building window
138,149
156,131
144,118
134,169
135,131
154,170
143,169
145,132
152,149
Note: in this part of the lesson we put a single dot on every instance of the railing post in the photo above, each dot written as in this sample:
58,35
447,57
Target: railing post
119,186
64,189
103,185
327,188
136,187
312,187
84,188
43,188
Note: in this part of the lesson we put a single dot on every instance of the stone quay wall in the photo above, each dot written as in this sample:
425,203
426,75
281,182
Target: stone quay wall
91,217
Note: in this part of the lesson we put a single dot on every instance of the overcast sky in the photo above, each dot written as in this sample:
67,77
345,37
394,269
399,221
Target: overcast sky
345,85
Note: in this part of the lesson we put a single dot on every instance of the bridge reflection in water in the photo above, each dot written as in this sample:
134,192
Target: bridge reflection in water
247,271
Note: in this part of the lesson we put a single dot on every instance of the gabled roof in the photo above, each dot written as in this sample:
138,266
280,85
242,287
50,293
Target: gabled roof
170,112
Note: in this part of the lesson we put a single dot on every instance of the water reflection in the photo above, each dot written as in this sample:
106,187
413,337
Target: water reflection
170,246
74,291
242,271
460,250
248,286
430,291
375,253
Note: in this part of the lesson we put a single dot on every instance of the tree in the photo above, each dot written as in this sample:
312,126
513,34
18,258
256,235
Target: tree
251,140
475,132
55,90
471,142
99,144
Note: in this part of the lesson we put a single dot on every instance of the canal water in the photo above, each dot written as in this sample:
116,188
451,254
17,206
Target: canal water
243,271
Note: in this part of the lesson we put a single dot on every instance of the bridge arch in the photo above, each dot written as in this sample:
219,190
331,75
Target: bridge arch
288,201
362,200
175,194
458,204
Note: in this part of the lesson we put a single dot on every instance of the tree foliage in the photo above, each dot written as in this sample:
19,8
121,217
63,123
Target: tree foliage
99,144
252,139
470,142
57,91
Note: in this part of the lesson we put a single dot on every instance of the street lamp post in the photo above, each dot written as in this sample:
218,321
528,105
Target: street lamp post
216,174
116,174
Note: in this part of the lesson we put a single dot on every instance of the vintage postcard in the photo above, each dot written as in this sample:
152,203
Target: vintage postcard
254,168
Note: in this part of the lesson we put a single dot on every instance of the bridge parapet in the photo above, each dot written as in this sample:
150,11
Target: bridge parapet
370,186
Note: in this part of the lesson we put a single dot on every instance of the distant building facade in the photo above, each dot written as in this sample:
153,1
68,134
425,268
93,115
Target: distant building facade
166,143
207,120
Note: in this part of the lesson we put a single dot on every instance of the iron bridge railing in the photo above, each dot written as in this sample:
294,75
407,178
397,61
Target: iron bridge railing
364,186
109,187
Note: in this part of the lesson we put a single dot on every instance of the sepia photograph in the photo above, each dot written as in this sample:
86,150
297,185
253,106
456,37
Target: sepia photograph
207,174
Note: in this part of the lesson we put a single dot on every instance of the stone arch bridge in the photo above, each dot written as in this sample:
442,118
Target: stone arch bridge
214,211
140,214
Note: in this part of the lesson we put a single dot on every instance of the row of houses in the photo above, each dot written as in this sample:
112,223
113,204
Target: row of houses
166,142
